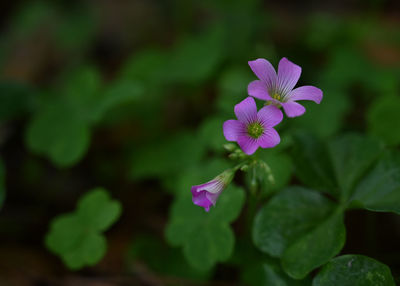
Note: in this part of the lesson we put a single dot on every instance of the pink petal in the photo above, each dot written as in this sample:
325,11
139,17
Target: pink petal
307,92
247,144
259,90
233,129
288,75
246,110
293,109
269,139
202,200
264,71
270,115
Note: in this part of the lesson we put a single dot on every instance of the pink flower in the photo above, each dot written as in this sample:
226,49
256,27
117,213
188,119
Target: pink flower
253,129
206,195
278,88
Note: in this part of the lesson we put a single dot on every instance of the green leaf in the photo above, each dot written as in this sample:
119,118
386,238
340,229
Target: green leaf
316,247
232,88
211,134
194,59
380,189
312,163
206,238
167,157
97,210
354,270
287,217
58,132
268,274
351,156
76,237
383,119
2,183
163,259
281,167
327,118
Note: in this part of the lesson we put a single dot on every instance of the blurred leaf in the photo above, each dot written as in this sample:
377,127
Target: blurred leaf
380,189
211,134
232,88
281,167
163,259
312,163
15,100
287,217
354,270
167,157
316,247
97,210
327,118
82,88
2,183
77,237
195,58
147,66
118,93
206,238
383,119
322,31
58,132
351,157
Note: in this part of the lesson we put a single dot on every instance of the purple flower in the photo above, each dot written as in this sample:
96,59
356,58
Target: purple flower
253,129
278,90
206,195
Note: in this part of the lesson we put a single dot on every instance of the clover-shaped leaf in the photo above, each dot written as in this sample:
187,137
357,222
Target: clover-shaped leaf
379,190
354,270
58,132
288,216
77,237
206,238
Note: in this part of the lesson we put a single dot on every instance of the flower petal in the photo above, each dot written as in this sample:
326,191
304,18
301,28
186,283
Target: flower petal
307,92
264,71
201,199
259,90
246,110
247,144
293,109
269,139
270,115
288,75
233,129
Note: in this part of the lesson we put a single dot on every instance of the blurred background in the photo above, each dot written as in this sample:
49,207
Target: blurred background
130,96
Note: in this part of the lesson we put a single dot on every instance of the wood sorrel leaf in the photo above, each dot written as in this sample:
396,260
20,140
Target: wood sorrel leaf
384,119
287,217
312,163
316,247
77,237
354,270
351,157
379,190
206,238
58,132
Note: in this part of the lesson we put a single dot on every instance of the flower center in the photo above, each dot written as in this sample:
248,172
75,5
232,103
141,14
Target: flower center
255,130
277,96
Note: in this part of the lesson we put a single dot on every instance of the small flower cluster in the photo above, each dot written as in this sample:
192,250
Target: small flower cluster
254,129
